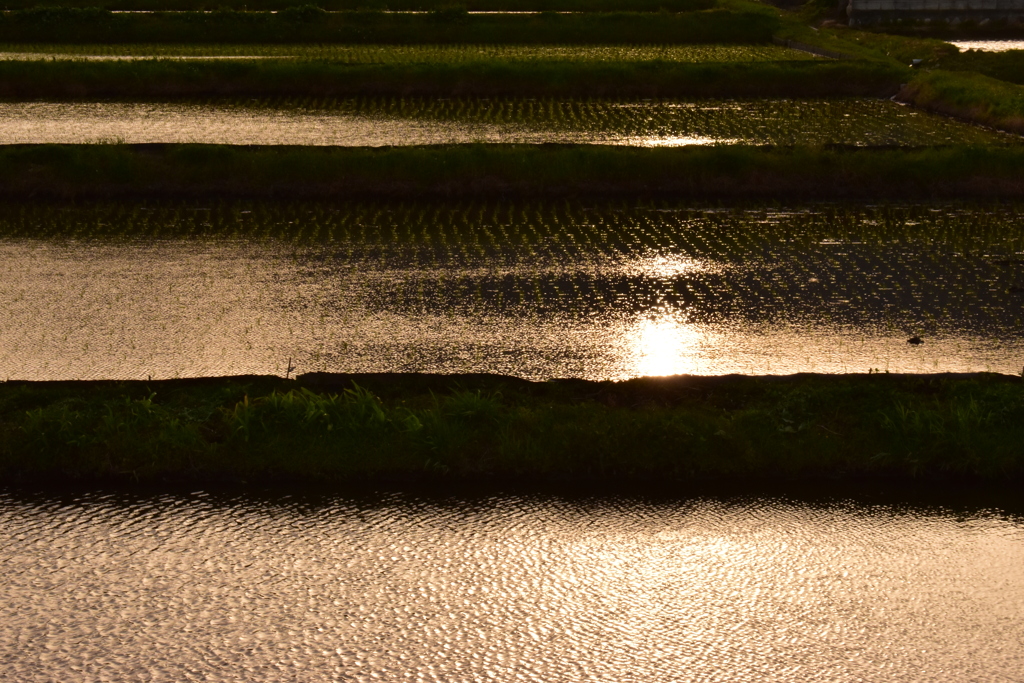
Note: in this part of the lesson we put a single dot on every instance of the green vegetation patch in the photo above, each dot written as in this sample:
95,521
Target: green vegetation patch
336,429
186,79
69,25
969,96
363,5
91,171
1004,66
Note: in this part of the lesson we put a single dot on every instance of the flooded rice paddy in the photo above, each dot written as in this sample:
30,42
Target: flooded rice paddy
415,54
217,588
415,121
536,291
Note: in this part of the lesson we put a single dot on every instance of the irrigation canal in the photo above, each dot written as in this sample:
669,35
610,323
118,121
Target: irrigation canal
224,588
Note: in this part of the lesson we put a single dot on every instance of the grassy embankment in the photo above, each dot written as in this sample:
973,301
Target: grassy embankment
325,429
969,96
983,88
449,74
735,22
384,5
91,171
272,78
310,25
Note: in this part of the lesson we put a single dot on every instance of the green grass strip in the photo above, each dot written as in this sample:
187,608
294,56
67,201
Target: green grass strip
974,97
96,171
1004,66
155,79
330,429
297,26
56,6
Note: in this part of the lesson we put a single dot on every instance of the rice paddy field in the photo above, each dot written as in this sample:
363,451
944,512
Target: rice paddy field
412,54
429,121
536,290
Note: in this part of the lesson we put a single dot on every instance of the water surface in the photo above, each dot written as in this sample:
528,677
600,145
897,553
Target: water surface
198,587
532,290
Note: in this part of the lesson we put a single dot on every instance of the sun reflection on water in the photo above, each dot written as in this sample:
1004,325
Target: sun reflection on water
664,344
680,141
664,340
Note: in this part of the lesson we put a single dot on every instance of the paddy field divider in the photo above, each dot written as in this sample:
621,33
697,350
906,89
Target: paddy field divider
333,429
260,78
306,7
717,171
309,25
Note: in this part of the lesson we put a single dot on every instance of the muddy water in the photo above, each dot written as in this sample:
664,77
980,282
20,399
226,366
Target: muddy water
584,292
365,122
200,587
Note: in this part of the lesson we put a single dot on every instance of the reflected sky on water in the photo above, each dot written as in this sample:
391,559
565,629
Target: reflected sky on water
213,588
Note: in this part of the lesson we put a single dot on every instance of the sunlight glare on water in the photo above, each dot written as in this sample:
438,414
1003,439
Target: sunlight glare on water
664,345
230,589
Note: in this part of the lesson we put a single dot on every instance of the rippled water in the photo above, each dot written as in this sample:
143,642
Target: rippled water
535,291
411,121
198,587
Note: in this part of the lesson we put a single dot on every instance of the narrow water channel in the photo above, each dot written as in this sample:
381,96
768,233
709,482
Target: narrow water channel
390,588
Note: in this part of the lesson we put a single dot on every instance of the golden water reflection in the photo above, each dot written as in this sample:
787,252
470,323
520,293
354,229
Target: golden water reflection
664,344
682,141
503,588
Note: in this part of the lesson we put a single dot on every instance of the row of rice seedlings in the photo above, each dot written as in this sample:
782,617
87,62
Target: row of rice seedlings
778,122
420,54
411,221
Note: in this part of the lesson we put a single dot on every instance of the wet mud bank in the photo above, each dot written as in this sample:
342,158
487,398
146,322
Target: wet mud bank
450,430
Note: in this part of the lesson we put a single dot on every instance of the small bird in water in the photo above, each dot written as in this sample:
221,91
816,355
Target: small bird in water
915,341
